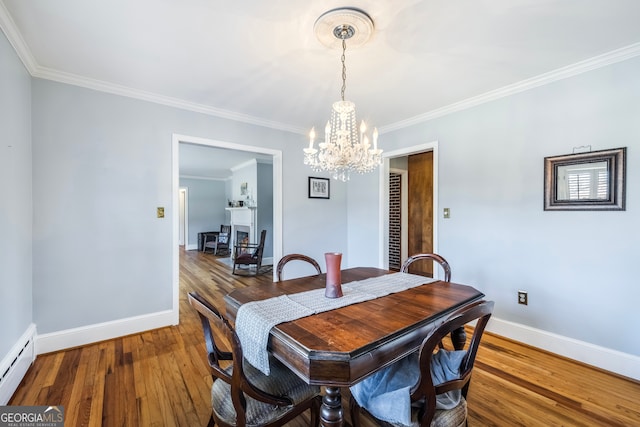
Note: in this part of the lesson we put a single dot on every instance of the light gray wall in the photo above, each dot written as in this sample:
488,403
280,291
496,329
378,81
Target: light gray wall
399,163
245,173
578,267
363,220
207,203
16,205
265,205
102,164
320,225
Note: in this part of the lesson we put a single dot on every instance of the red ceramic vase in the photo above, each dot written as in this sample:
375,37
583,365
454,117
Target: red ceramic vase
334,279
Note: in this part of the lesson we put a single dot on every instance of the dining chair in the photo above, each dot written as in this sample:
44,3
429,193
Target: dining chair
435,257
295,257
218,241
426,395
242,395
249,254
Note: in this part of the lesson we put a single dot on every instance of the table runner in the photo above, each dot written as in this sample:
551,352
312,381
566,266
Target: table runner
255,319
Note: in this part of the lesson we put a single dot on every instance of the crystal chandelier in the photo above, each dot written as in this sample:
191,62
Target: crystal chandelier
345,147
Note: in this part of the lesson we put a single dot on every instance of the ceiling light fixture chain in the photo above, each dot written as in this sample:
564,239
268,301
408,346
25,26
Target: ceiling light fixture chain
345,147
344,65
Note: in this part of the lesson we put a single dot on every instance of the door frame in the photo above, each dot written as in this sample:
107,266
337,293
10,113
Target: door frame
383,256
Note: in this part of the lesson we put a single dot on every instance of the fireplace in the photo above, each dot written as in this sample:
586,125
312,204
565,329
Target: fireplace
242,237
243,225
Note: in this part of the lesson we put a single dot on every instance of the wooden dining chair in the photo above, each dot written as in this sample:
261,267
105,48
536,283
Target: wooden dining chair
435,257
424,393
295,257
249,254
218,241
241,395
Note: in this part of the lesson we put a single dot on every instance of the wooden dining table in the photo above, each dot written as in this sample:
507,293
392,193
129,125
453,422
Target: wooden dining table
340,347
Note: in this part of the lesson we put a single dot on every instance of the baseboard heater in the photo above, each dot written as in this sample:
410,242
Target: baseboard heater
15,365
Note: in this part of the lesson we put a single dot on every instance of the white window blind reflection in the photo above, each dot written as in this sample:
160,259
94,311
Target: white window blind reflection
587,182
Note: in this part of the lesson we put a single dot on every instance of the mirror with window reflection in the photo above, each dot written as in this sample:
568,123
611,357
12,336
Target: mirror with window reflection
585,181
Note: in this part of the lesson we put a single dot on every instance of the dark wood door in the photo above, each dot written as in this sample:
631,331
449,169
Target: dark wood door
420,195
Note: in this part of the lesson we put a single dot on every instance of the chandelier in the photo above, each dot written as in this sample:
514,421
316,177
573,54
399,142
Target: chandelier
346,147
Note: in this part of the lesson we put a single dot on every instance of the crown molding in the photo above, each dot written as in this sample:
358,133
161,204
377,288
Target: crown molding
600,61
9,28
204,178
102,86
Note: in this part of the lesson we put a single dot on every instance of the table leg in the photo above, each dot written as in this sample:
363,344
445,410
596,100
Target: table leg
458,338
331,410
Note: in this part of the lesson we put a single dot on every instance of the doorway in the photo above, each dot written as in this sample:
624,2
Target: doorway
175,201
395,249
420,206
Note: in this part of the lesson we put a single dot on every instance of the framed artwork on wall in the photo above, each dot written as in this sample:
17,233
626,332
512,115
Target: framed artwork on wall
589,181
318,188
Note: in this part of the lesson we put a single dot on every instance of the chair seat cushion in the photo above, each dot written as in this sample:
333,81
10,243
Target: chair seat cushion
451,417
387,393
246,259
281,382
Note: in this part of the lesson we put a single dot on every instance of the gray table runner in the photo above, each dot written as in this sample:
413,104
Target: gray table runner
255,319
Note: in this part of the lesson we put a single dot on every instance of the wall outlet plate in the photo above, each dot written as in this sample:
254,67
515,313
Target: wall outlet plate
523,298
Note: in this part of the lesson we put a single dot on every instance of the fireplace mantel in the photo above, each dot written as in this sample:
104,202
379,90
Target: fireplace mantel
243,219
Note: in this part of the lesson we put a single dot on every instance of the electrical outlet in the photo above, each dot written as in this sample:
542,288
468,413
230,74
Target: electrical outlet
446,213
523,298
160,212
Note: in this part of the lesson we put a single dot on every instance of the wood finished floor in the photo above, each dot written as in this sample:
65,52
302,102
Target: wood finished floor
161,378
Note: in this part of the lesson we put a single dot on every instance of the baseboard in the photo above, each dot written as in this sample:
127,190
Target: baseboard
618,362
192,247
15,364
75,337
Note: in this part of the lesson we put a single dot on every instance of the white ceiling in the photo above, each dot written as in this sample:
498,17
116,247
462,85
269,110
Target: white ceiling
259,61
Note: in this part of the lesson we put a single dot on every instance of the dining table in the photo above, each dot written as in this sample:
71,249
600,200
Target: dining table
339,347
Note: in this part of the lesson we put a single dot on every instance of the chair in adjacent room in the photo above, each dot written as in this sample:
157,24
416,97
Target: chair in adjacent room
435,257
241,395
295,257
438,396
249,254
217,241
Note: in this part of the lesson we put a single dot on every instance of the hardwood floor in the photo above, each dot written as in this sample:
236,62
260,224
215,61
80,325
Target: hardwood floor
161,378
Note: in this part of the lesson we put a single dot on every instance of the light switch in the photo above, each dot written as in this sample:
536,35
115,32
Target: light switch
160,212
446,213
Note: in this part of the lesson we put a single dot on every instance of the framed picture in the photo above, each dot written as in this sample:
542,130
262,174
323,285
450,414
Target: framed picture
243,189
586,181
318,188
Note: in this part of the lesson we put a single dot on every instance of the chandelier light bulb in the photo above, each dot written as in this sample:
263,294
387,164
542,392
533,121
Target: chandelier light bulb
375,139
312,136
